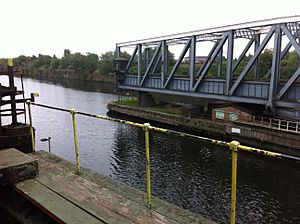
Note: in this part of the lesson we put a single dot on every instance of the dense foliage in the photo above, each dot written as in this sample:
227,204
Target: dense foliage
104,64
289,64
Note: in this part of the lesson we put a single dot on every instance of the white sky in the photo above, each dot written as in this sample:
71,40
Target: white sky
30,27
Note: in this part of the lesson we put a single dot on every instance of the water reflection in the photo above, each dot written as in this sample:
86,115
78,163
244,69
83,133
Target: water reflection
81,85
197,177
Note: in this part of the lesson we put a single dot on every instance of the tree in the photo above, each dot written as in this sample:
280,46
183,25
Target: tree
106,63
265,61
67,53
91,62
54,63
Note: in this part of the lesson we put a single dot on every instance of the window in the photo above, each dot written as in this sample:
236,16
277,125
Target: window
233,116
220,114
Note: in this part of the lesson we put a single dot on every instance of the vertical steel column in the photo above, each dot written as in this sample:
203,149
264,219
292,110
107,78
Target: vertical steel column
229,62
73,112
275,69
256,63
234,149
140,62
12,91
28,102
192,60
117,55
164,62
220,62
298,57
147,147
147,57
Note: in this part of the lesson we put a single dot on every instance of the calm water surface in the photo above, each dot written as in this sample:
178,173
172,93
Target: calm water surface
190,174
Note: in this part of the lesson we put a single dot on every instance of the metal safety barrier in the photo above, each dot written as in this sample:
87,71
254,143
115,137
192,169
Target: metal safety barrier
234,146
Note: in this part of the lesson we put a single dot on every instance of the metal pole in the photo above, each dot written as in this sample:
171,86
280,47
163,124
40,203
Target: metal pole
147,146
73,112
28,102
22,83
140,62
12,93
49,144
234,148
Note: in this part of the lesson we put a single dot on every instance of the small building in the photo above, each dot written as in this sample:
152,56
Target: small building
233,112
198,59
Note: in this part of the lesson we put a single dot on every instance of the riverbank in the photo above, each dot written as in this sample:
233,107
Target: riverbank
247,133
70,74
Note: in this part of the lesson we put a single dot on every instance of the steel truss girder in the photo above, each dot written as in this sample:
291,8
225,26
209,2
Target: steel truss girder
243,30
275,70
131,58
252,60
296,75
245,33
283,53
210,59
220,36
179,60
151,64
243,54
213,96
294,28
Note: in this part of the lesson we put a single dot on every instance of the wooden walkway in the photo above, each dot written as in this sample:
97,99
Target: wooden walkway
69,198
16,166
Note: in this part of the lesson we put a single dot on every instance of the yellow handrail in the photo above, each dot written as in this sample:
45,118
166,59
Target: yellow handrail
147,146
73,112
28,102
234,146
234,149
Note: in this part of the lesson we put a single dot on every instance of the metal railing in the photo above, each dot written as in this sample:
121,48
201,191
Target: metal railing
234,146
280,124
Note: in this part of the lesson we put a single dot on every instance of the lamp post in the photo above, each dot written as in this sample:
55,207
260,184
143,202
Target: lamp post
47,140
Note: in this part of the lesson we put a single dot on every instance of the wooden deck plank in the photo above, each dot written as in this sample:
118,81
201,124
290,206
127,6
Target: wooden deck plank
99,201
60,209
12,157
16,166
107,195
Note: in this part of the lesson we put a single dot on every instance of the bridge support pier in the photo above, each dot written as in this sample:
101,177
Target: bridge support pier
145,99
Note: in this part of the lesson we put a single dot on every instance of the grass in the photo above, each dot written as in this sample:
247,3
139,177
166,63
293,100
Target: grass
128,102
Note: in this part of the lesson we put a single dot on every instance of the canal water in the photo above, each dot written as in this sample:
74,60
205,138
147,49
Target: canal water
191,174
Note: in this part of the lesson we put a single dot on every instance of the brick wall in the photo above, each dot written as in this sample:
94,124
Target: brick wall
243,116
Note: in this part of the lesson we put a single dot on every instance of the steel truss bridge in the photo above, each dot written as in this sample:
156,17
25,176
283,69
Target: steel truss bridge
154,73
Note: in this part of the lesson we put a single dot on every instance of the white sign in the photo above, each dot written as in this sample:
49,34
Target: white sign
236,130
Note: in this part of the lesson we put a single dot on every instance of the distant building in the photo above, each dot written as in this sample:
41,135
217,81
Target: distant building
198,59
233,112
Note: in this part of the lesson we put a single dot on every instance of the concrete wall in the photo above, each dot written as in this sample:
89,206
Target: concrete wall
247,133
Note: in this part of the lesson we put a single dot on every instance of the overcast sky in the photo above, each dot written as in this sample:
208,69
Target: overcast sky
30,27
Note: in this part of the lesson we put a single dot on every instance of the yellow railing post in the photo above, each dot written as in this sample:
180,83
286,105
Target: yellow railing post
147,146
234,149
73,112
28,102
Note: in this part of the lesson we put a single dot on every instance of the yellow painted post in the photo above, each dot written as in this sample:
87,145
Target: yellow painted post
73,112
234,149
147,146
28,102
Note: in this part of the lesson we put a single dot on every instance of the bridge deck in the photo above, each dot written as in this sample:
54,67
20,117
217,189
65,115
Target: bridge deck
92,198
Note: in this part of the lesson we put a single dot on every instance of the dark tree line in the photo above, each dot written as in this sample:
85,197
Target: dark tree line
83,64
104,64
